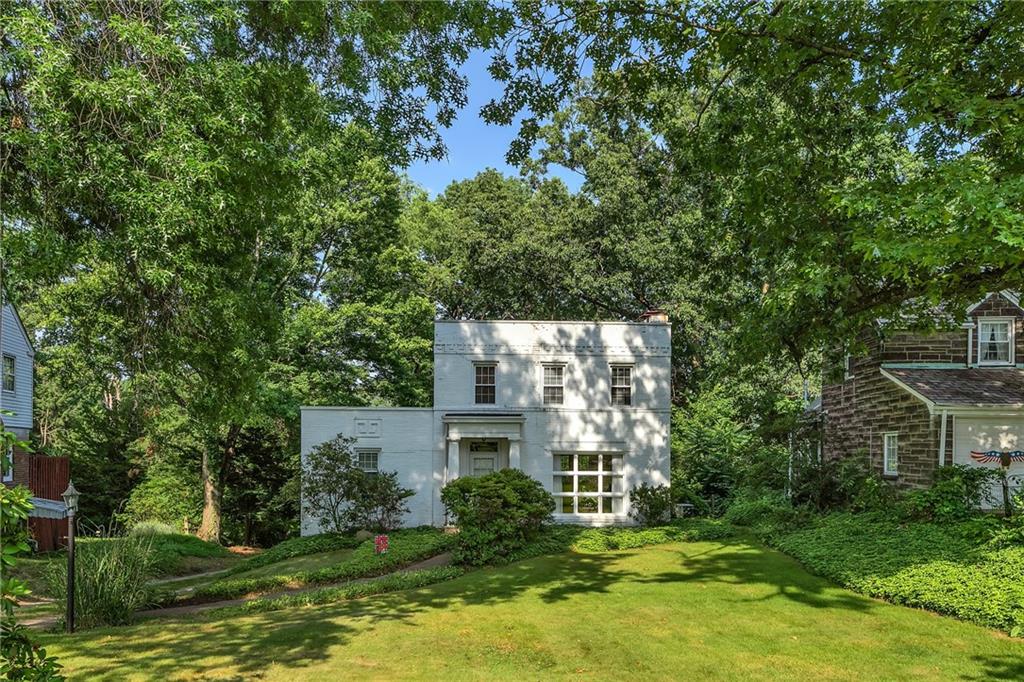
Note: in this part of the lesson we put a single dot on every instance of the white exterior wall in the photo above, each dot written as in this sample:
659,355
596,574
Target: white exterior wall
14,342
415,441
984,434
405,438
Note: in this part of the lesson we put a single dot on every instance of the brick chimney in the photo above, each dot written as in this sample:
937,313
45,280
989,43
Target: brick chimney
655,315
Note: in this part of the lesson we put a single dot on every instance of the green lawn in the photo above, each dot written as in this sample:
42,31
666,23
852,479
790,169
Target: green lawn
711,610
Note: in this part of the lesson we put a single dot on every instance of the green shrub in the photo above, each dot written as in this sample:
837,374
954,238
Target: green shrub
650,504
111,580
405,547
751,509
956,495
329,595
565,538
152,528
302,546
171,550
168,494
940,567
496,514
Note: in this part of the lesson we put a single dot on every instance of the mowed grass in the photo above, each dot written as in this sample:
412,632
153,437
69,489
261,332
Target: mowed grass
728,610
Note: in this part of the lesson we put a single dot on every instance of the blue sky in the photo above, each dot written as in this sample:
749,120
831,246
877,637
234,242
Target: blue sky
474,145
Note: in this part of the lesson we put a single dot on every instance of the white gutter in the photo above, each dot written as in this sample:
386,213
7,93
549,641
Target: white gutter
942,440
908,389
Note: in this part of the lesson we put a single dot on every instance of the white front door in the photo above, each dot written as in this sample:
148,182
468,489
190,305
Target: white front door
977,437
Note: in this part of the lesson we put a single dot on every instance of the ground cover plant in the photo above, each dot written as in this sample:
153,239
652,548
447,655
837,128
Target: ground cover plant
406,547
745,612
948,568
300,546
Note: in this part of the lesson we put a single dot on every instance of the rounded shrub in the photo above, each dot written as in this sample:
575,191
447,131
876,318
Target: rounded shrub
497,514
650,504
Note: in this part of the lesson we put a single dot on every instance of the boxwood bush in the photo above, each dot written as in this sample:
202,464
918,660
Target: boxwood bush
497,514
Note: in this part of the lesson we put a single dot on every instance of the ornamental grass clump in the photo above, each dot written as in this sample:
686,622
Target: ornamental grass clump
111,580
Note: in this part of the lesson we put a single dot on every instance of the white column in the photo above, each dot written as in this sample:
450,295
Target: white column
513,454
453,459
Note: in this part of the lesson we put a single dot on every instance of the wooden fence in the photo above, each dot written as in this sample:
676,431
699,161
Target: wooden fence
48,478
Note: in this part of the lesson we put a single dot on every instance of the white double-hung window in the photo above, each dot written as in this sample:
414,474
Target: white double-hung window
588,483
995,342
622,384
554,384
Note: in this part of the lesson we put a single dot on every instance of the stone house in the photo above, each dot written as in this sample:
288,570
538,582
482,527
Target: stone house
913,401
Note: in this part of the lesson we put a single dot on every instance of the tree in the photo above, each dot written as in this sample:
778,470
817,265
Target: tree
859,155
170,174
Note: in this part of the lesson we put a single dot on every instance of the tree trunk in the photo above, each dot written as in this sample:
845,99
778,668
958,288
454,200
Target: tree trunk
213,485
209,528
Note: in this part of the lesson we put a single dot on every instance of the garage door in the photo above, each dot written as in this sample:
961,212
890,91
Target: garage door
986,434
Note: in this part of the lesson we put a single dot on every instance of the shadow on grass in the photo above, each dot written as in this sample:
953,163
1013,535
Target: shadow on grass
998,668
737,562
243,648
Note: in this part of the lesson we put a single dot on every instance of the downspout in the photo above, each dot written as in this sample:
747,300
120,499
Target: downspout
942,440
970,345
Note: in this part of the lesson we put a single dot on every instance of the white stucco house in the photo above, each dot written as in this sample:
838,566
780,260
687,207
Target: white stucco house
583,407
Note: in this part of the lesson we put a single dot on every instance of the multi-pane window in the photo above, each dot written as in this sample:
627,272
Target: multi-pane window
484,387
368,460
890,454
588,483
995,339
554,384
622,385
8,372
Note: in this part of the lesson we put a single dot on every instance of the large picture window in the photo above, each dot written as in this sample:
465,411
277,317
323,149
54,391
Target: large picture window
588,483
485,392
995,342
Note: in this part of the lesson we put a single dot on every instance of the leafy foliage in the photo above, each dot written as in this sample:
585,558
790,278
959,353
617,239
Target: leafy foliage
300,546
650,504
956,494
496,514
941,567
406,547
111,579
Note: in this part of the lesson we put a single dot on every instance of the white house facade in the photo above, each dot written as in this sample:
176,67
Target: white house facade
16,369
583,407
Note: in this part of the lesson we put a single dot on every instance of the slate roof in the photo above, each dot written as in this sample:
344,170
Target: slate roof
1003,386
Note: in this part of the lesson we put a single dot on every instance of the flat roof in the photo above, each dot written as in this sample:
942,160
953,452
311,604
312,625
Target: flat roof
602,322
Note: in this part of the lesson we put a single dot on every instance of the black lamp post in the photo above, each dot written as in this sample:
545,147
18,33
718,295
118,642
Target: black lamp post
71,503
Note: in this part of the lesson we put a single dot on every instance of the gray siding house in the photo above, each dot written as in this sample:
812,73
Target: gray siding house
583,407
16,375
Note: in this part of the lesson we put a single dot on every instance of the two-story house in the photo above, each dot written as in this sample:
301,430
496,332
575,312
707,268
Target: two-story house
914,401
583,407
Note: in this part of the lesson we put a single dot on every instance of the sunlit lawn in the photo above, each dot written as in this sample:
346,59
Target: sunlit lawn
681,611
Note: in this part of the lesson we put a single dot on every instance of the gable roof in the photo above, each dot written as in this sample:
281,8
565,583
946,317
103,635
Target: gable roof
1011,296
975,387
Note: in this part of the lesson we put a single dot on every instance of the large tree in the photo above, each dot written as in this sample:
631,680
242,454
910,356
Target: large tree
170,172
861,153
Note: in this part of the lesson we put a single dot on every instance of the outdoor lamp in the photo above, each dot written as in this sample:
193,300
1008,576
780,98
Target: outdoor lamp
71,502
70,498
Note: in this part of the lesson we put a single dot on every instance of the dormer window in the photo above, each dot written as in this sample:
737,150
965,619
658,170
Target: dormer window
485,392
995,342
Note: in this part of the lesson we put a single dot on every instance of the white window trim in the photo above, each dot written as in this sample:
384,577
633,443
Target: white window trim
543,381
368,451
885,453
1011,338
611,382
485,363
14,373
618,491
8,476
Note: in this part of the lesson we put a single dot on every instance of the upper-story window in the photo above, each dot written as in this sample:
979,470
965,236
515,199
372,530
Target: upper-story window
8,373
622,384
485,392
995,342
554,384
